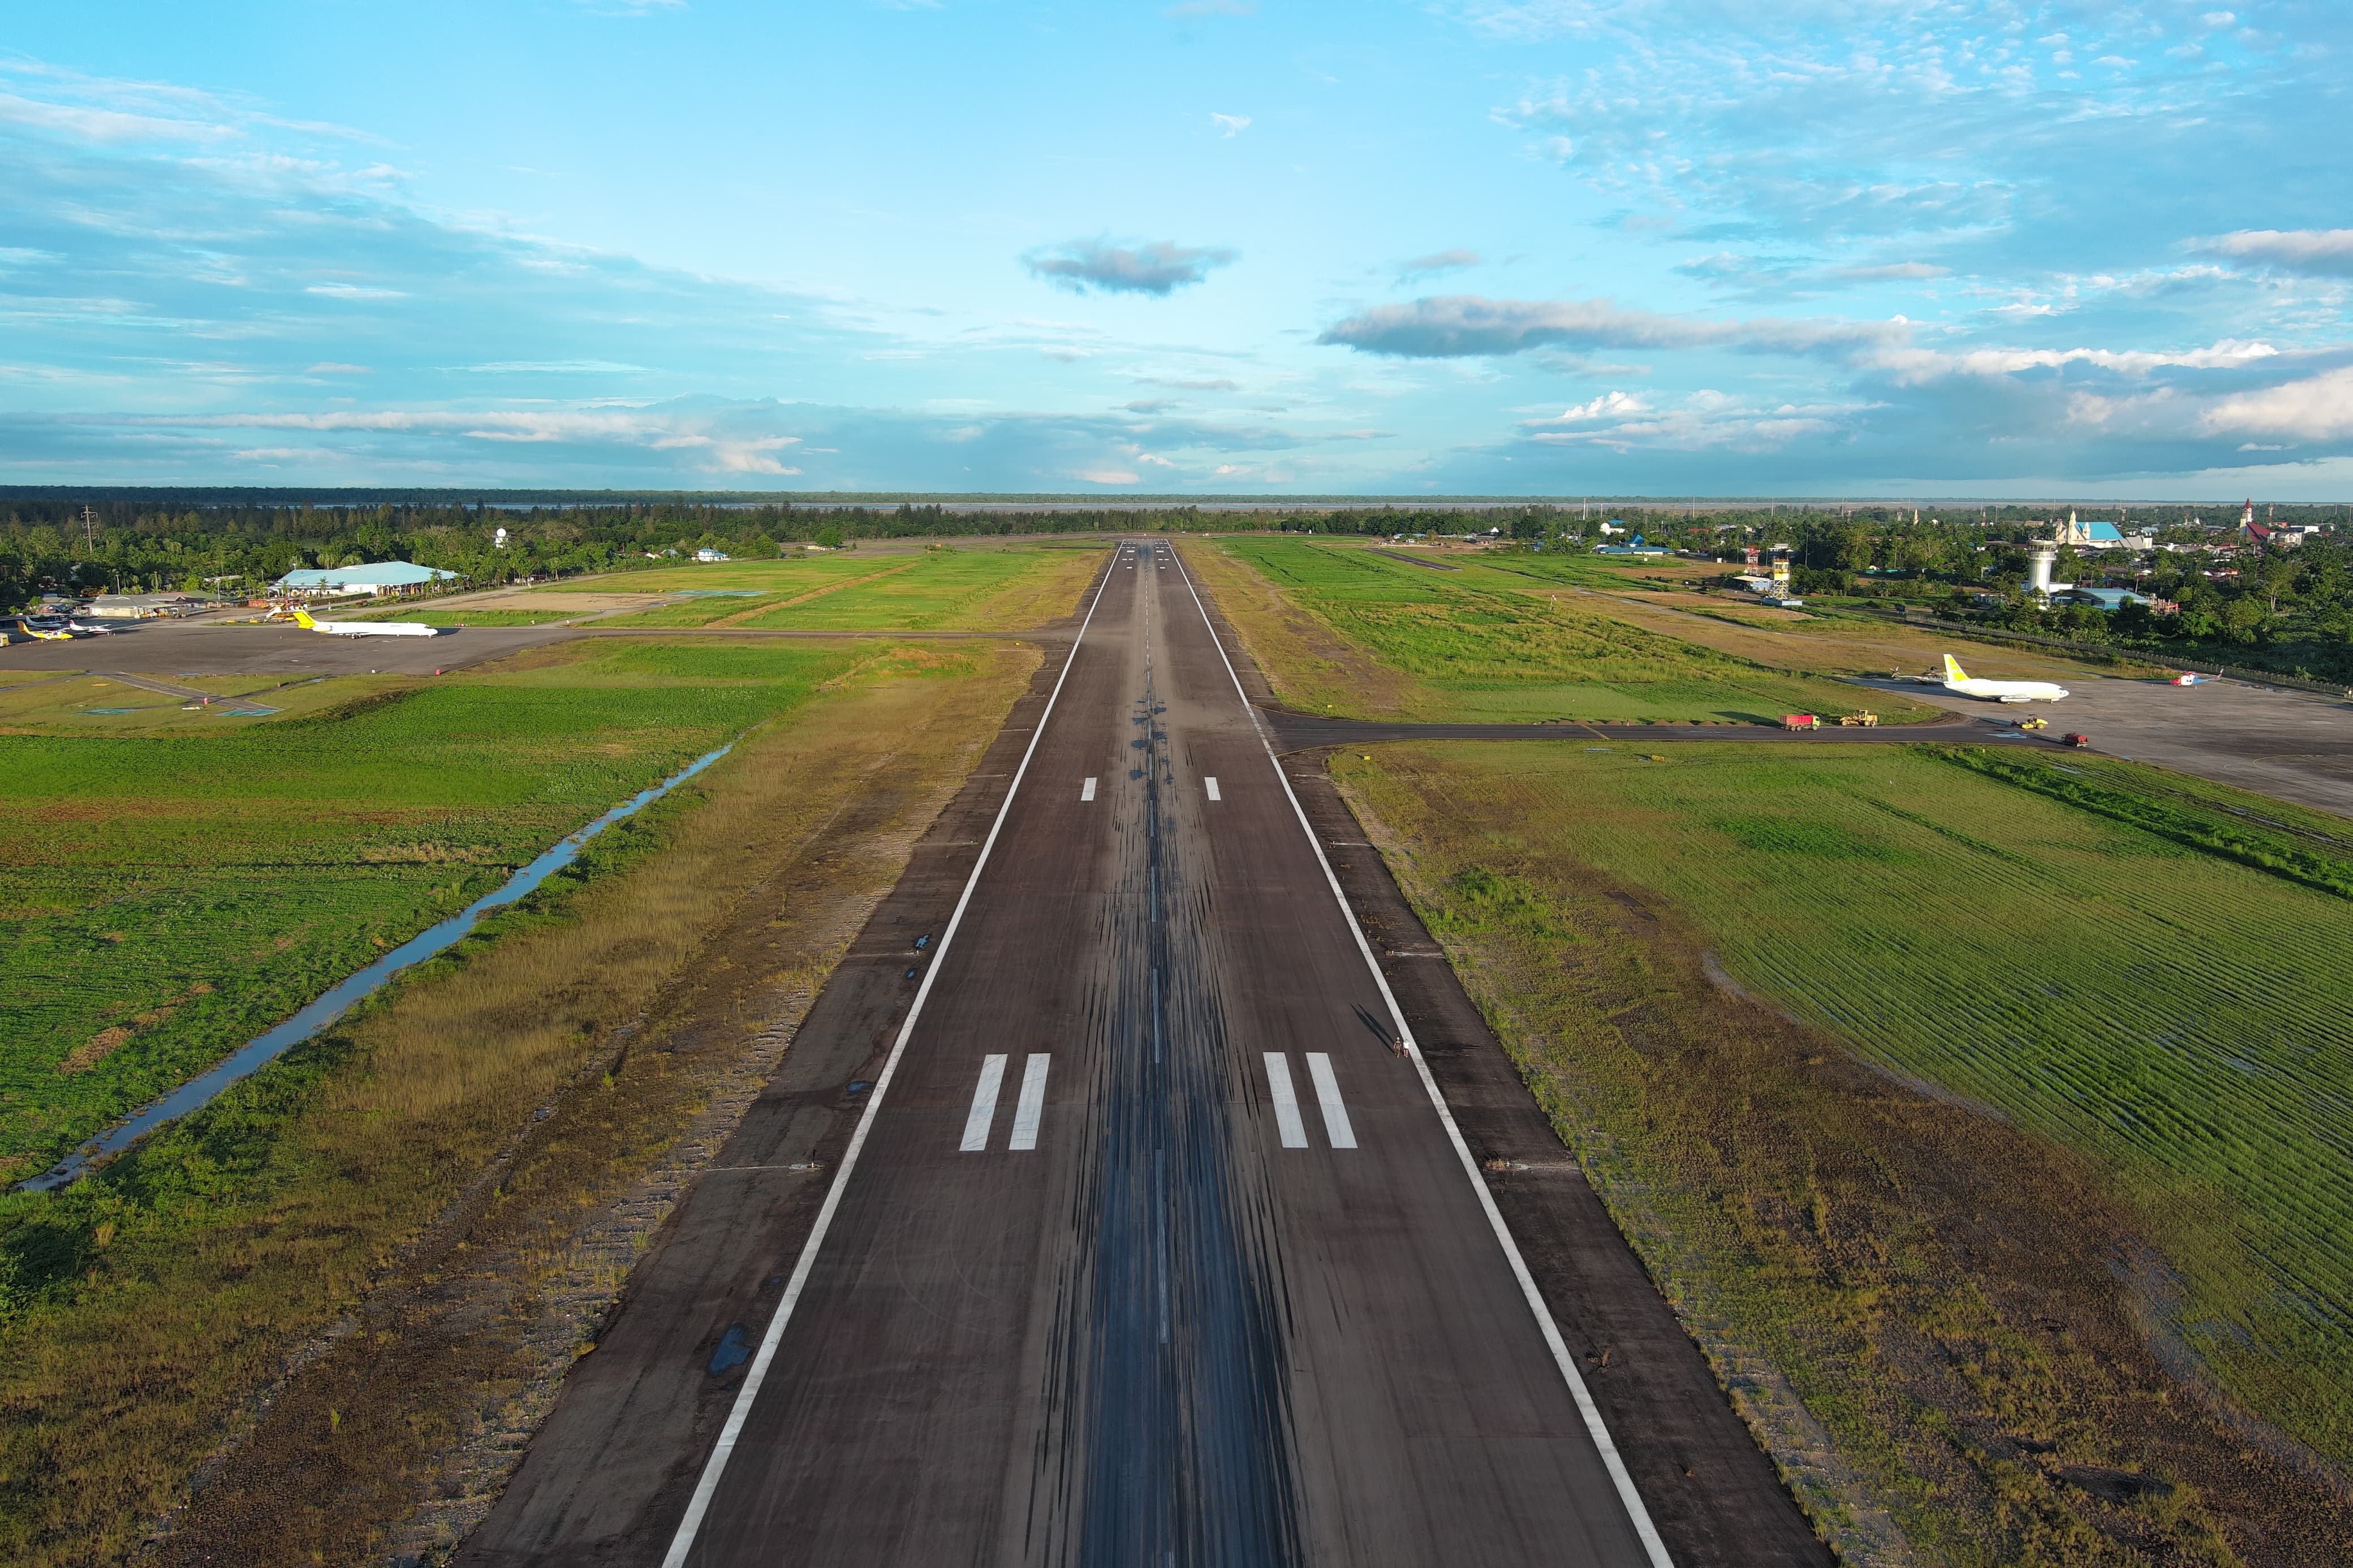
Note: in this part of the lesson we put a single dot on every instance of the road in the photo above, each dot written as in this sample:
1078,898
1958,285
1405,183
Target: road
1148,1245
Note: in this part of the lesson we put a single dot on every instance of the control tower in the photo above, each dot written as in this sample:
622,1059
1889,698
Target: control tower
2043,556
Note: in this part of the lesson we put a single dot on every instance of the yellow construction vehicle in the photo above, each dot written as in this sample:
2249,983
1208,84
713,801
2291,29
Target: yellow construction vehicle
1862,716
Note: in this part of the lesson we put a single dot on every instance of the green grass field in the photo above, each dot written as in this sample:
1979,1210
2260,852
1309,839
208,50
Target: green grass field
465,617
790,574
949,590
163,899
1473,645
2143,968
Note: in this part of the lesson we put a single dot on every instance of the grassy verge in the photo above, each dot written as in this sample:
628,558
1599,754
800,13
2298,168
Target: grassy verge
947,590
312,1292
166,897
1976,1117
1472,646
99,705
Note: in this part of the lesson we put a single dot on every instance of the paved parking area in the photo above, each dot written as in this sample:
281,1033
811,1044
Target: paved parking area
167,648
2276,742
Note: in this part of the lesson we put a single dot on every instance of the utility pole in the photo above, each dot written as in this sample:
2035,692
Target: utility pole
89,529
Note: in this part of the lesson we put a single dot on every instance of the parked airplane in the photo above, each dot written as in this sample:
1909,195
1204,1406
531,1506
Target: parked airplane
49,628
1960,680
366,628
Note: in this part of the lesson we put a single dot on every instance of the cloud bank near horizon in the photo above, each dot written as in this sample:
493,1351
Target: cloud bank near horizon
1999,261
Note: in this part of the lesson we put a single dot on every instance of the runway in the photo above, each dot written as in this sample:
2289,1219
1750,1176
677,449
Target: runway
1152,1239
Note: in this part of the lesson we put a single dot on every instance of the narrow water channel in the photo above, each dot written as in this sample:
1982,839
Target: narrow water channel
250,1058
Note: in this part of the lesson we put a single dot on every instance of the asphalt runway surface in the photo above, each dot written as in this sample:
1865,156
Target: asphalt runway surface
1096,1218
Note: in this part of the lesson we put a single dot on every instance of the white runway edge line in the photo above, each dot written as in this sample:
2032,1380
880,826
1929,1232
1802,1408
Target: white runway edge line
1613,1461
1212,784
705,1488
1087,790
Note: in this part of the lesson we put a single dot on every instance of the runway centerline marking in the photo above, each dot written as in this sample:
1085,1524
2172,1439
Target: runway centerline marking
984,1105
1653,1545
1087,790
1031,1106
682,1544
1212,785
1286,1101
1327,1095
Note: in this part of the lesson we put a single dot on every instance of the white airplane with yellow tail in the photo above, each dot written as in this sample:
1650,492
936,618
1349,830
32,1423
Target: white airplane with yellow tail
363,629
1967,684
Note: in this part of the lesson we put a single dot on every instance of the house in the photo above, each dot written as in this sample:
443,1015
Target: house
381,579
707,555
144,606
1634,547
2101,598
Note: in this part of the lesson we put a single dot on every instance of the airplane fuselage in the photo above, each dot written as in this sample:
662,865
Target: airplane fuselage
2007,690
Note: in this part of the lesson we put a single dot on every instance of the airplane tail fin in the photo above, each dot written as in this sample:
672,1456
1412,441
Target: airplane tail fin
1953,671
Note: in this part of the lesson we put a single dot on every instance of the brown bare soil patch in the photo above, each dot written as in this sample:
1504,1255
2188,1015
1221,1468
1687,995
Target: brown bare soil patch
95,1049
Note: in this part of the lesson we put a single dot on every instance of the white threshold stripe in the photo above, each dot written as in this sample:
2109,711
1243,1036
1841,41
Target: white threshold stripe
1286,1101
708,1486
1327,1095
1087,790
1611,1459
1212,784
984,1105
1031,1106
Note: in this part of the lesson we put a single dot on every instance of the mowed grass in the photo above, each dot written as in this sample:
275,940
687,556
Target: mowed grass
784,575
152,1315
98,705
164,899
1471,646
948,590
2148,973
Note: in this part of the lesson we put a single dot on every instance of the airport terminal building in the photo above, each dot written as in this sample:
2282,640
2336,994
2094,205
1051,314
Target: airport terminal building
381,579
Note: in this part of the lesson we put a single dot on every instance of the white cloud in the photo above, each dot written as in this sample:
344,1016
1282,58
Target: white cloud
2317,408
1110,476
2323,250
1232,125
332,367
1609,406
354,291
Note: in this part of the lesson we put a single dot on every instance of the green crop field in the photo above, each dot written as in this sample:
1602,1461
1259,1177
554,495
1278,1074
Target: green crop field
2152,971
164,898
1473,645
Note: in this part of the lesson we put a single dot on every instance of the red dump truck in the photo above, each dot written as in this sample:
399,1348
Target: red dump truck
1800,721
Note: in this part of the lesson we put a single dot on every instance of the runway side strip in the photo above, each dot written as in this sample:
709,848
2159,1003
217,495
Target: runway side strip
708,1486
1613,1461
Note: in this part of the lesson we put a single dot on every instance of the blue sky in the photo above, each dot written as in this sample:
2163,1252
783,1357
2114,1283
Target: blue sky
1570,247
